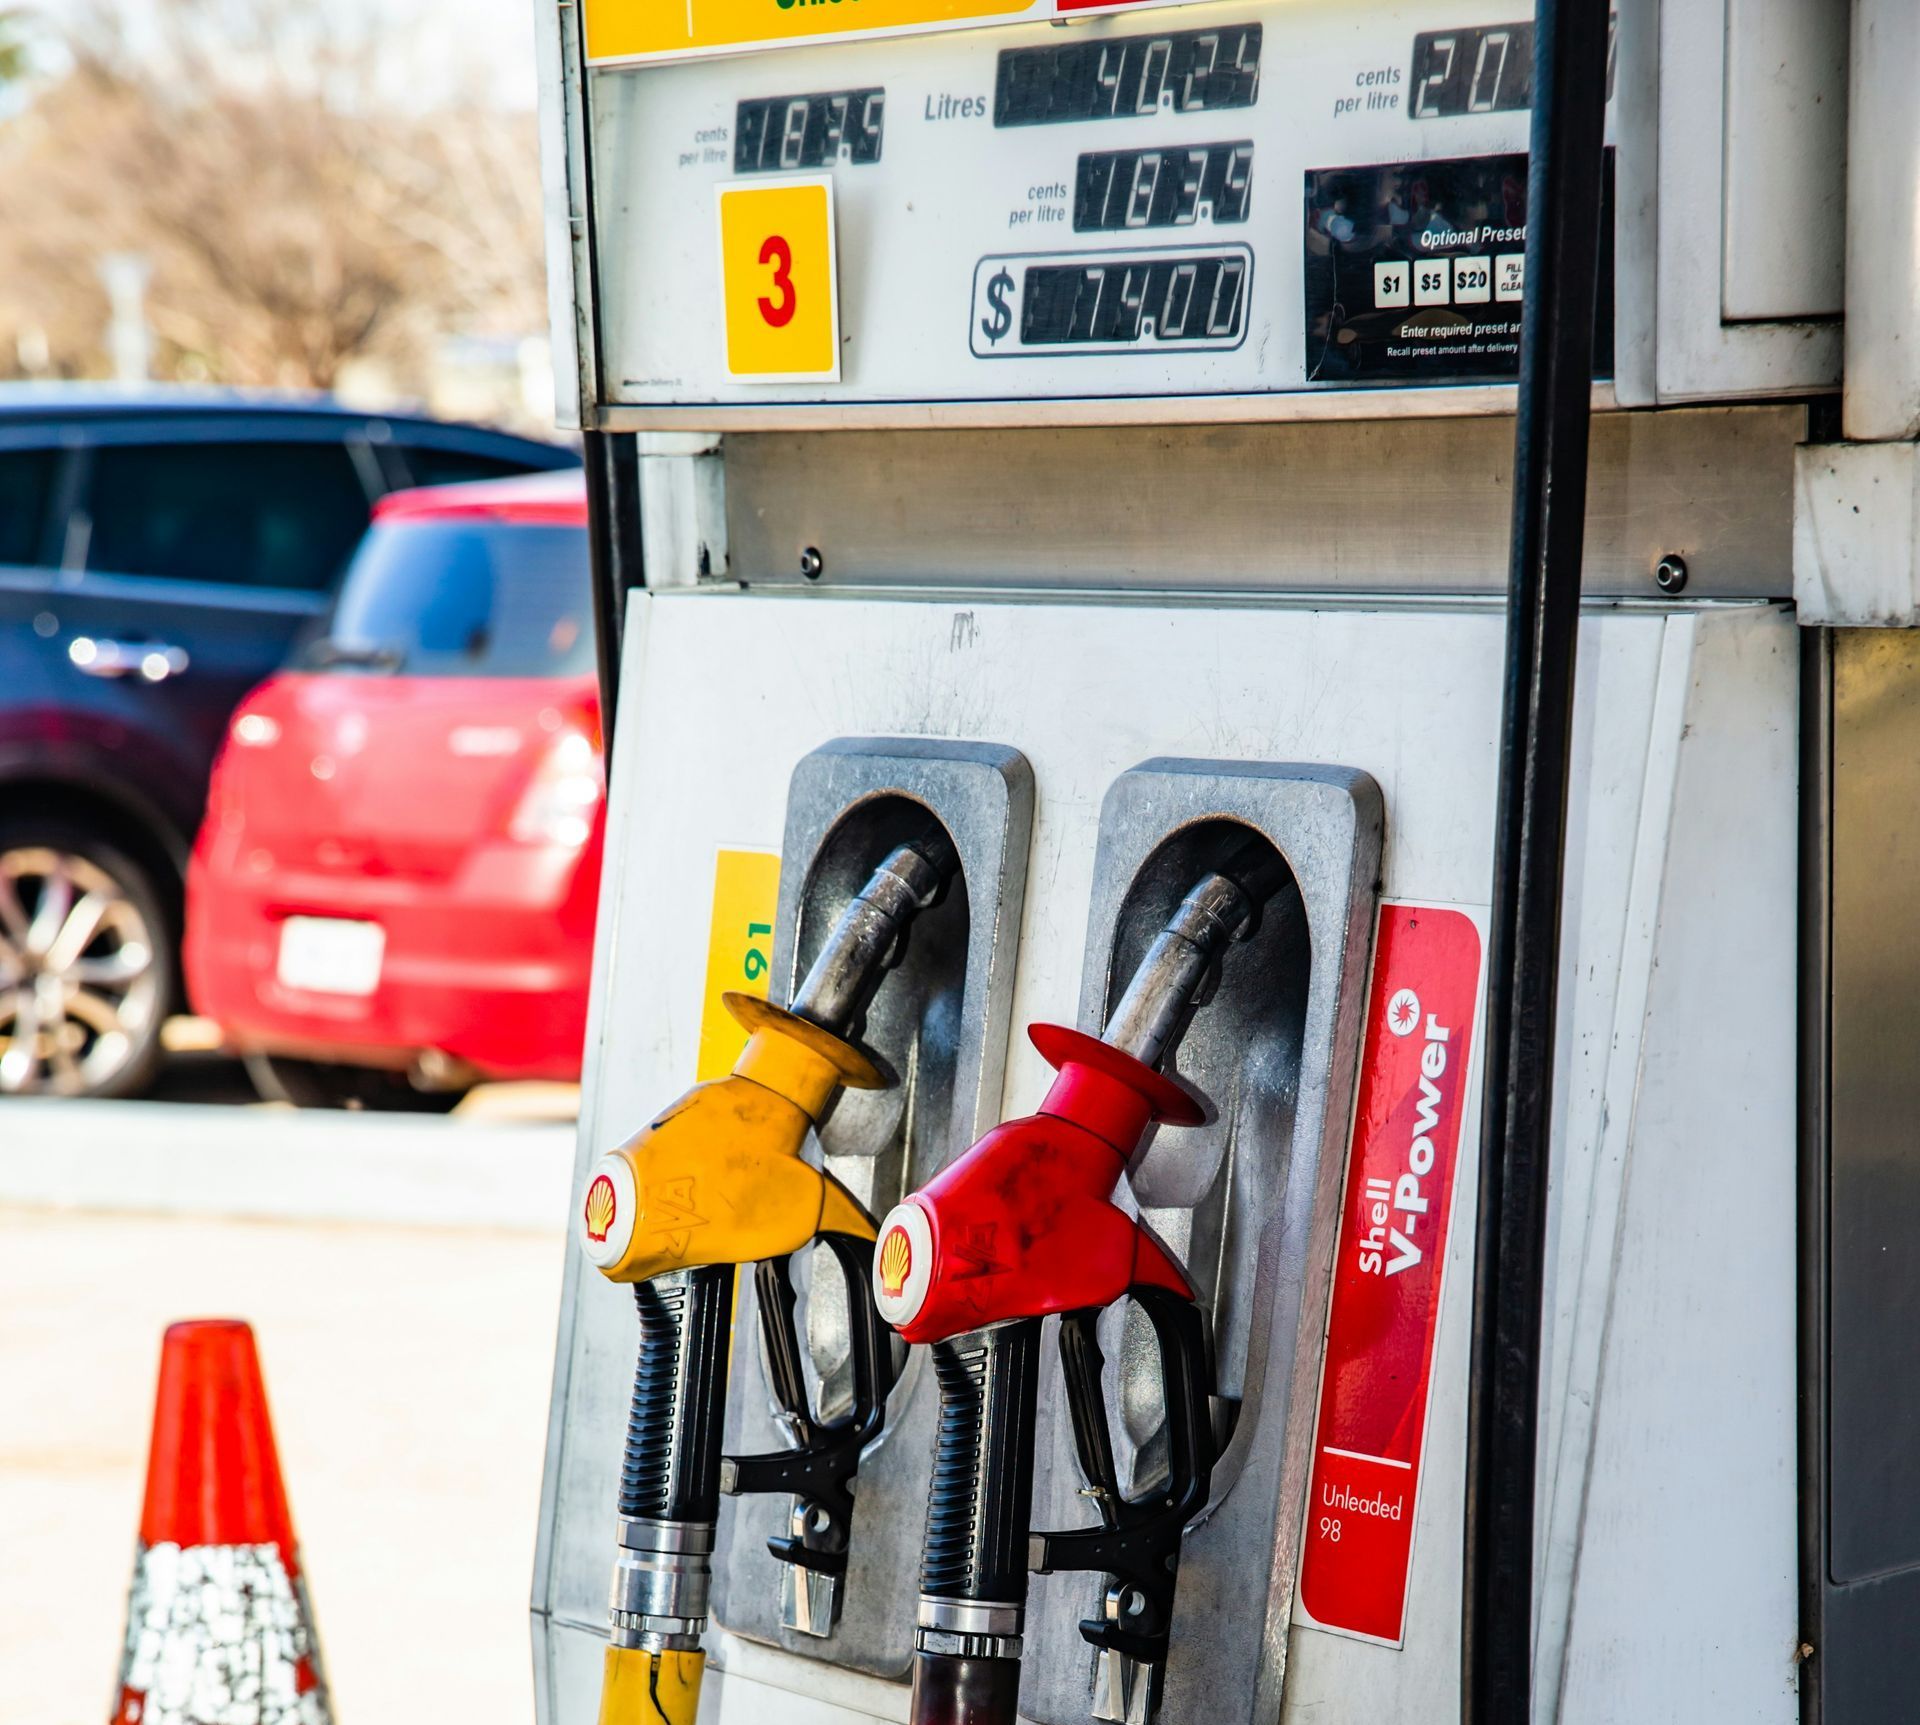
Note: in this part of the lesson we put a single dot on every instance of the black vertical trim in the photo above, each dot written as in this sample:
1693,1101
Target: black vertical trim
1815,947
613,543
1565,164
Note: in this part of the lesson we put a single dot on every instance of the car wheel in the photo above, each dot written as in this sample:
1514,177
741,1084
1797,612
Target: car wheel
321,1084
88,969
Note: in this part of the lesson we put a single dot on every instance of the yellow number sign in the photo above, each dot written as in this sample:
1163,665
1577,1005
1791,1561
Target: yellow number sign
746,892
777,280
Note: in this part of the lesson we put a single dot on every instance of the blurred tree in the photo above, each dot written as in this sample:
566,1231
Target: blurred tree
13,44
302,204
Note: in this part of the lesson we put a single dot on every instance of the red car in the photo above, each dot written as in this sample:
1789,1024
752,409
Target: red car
393,892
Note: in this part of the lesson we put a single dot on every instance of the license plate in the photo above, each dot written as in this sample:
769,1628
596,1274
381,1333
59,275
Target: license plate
330,956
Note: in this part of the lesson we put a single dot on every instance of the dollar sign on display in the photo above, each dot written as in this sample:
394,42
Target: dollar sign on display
996,325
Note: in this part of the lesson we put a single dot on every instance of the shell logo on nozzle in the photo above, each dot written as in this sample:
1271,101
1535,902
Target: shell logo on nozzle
896,1261
903,1266
601,1208
608,1211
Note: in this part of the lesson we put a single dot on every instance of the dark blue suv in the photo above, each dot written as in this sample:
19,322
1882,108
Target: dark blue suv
159,551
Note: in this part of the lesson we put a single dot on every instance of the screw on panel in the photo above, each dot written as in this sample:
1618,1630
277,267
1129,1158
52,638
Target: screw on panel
811,563
1671,574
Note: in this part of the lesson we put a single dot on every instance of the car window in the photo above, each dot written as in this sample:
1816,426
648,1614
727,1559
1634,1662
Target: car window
474,598
428,466
246,514
26,484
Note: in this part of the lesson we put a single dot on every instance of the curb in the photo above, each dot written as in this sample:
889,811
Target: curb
285,1165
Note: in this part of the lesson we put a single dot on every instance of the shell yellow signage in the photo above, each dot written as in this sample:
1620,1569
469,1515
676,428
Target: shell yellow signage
630,30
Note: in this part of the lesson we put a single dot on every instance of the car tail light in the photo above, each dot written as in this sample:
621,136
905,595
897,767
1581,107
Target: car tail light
558,804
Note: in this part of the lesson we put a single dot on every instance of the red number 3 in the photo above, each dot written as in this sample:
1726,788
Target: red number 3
775,250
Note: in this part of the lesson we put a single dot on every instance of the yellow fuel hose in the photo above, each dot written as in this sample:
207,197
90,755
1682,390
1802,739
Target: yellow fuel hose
642,1688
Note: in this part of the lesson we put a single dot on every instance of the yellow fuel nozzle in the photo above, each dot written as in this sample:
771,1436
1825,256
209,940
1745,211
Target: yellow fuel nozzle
718,1179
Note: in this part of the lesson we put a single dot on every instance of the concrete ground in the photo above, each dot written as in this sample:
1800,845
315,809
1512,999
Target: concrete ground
407,1367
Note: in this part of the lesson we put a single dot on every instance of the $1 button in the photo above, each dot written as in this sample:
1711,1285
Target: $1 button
777,279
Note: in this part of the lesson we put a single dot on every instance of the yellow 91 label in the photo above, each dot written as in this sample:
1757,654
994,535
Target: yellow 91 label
746,893
778,282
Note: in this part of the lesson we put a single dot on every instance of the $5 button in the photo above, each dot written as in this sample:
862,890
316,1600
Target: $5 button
778,280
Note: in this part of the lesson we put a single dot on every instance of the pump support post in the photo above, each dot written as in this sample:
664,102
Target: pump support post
1543,605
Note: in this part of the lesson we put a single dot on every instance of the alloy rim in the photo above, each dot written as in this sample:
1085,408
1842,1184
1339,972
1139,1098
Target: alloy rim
78,982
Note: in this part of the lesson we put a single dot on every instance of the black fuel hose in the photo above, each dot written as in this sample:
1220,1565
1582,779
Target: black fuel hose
973,1567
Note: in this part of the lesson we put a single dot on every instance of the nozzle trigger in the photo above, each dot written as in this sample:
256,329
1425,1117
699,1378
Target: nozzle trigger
1137,1545
821,1465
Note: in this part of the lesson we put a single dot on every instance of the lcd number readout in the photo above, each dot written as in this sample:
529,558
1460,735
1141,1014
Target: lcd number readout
1114,190
783,133
1110,302
1488,70
1181,72
1132,300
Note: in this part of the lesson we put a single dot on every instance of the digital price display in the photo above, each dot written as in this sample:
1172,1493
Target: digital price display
1113,301
1479,71
776,134
1114,190
1182,72
1079,190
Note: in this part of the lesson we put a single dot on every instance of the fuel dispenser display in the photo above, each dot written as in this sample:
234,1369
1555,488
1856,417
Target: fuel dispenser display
1072,479
1199,202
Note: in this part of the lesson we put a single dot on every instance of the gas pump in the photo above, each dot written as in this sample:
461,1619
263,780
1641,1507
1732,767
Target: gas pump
1433,440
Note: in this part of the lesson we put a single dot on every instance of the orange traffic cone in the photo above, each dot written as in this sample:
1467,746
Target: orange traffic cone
219,1631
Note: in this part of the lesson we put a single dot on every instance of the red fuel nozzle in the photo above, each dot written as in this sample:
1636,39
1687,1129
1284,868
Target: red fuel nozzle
1021,1227
1024,1224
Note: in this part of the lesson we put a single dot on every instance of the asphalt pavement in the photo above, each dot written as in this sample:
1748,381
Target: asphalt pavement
402,1275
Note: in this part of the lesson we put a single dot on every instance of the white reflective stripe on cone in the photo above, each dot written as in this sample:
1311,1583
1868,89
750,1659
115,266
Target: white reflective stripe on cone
219,1635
